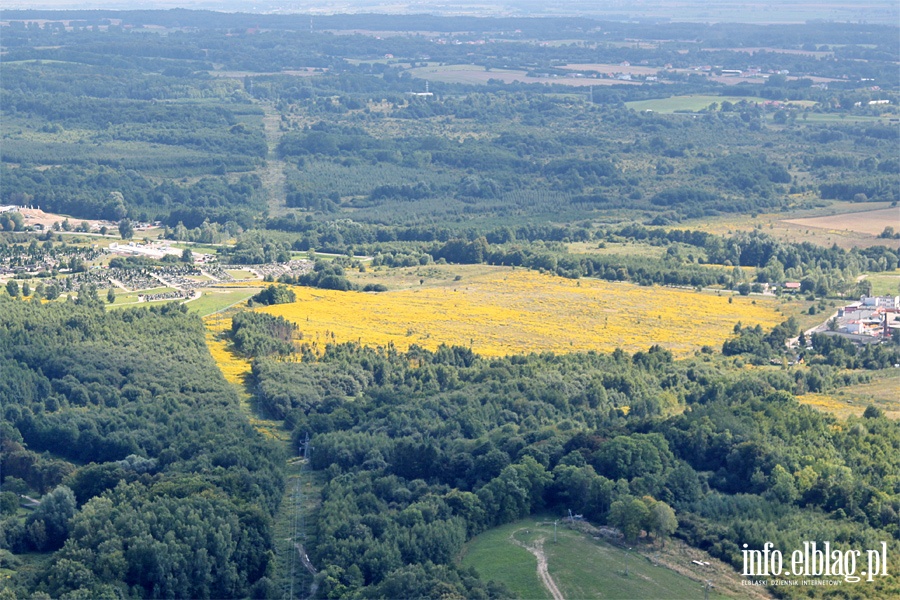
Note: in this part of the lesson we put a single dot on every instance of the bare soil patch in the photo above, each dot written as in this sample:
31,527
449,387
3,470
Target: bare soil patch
538,550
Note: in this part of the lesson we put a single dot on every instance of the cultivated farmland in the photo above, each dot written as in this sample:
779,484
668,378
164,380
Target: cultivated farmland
846,224
872,222
687,103
477,74
510,311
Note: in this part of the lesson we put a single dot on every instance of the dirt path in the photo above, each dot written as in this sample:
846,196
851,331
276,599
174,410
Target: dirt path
538,550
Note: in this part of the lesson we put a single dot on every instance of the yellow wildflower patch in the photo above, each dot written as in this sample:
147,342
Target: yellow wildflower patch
235,368
828,403
507,311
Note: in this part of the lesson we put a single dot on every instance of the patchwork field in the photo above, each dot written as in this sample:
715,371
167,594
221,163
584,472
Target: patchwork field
503,311
871,222
822,226
616,249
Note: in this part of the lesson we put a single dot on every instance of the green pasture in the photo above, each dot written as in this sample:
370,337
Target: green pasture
197,247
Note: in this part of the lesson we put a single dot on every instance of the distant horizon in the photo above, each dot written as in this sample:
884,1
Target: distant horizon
885,12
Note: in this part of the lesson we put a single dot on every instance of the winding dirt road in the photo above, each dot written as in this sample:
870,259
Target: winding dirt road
538,550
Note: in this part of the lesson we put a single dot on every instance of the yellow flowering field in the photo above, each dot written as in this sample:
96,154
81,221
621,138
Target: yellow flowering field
234,367
503,311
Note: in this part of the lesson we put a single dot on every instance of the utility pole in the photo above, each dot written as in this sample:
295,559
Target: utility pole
554,531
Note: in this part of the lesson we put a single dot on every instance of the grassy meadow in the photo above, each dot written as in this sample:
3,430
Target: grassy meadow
583,566
880,392
885,284
500,311
495,557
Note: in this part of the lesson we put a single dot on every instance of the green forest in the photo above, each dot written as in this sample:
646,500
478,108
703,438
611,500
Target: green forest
348,152
124,427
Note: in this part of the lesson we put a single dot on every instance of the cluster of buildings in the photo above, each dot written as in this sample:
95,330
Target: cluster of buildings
874,316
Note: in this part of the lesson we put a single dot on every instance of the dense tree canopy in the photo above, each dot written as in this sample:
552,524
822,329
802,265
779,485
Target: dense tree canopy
166,490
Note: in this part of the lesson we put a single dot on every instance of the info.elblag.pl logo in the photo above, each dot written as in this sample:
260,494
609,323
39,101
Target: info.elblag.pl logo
816,561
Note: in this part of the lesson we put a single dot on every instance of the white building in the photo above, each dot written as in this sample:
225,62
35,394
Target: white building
880,301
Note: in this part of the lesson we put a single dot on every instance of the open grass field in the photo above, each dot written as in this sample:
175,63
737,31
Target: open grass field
287,555
500,311
216,299
885,284
614,249
241,274
495,557
694,103
196,248
814,117
583,566
881,392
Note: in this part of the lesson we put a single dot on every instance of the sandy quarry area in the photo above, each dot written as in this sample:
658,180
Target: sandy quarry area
35,216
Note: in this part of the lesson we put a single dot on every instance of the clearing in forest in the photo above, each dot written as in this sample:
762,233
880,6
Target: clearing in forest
581,565
880,392
236,370
503,311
